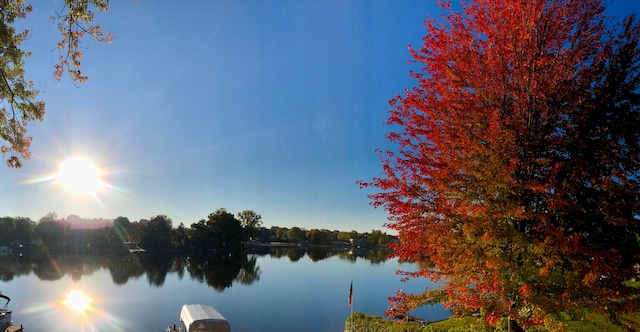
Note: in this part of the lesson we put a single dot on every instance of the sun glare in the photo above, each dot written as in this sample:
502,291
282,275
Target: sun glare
77,302
80,176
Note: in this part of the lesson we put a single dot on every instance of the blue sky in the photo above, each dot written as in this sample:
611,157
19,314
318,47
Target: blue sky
271,106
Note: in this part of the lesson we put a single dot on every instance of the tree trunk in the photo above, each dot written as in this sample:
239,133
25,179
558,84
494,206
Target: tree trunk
513,326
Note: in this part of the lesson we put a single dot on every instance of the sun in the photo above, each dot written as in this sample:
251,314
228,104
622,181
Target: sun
80,176
78,302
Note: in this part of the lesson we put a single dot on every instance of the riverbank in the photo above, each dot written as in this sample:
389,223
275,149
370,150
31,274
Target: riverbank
359,322
362,323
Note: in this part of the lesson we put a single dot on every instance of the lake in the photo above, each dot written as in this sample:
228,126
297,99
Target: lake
268,289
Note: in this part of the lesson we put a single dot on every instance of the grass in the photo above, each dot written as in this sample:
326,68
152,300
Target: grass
634,284
367,323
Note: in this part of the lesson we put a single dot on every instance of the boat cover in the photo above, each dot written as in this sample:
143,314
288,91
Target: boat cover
203,318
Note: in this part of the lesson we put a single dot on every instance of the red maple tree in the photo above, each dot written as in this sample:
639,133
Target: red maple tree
515,182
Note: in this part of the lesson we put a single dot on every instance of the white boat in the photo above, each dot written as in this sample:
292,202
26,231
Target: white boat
200,318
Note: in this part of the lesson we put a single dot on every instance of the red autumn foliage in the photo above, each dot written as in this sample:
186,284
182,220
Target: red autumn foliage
516,176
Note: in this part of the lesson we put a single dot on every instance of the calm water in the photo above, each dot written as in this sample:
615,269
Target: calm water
275,290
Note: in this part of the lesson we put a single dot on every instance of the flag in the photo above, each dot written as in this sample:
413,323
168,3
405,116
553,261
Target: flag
351,294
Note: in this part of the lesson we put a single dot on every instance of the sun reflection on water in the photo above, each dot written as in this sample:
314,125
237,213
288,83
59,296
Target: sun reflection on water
76,310
90,317
78,302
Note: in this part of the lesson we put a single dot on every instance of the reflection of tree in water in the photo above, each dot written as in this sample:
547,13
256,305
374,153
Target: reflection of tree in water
348,256
5,274
319,253
74,265
10,269
52,268
47,271
178,265
79,265
373,255
295,254
220,271
377,256
250,271
124,267
277,252
156,267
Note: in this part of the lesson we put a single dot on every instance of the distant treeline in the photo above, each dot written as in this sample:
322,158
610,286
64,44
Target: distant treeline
220,231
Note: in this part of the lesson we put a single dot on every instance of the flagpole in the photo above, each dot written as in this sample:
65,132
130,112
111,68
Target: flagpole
351,303
352,320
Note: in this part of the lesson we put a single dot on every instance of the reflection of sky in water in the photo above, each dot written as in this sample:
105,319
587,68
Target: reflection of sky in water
300,296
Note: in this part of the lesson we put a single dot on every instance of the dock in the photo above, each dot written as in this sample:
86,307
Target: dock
14,328
173,329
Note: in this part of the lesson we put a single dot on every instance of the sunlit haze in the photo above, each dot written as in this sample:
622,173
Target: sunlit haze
80,176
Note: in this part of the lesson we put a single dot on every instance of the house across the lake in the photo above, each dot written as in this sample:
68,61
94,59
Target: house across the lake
360,242
4,251
337,243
